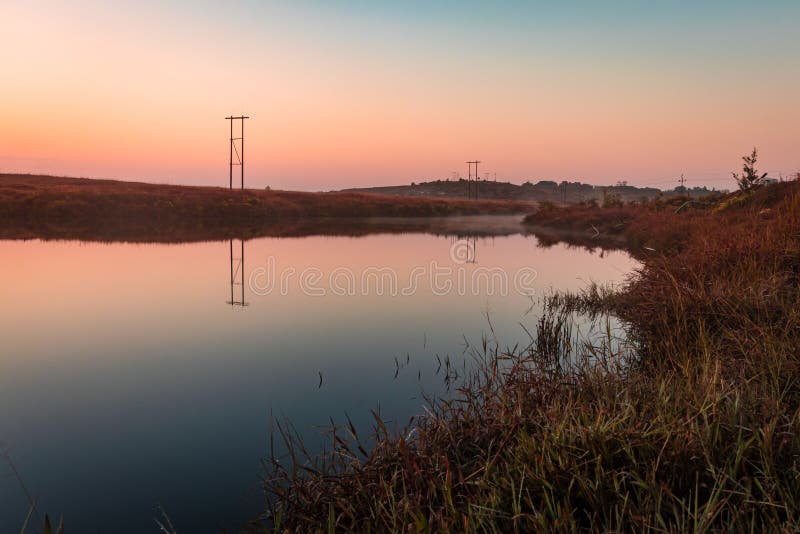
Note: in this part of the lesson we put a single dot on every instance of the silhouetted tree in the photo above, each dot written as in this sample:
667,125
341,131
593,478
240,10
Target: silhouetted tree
749,178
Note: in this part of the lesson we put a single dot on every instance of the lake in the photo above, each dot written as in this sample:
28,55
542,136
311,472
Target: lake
134,376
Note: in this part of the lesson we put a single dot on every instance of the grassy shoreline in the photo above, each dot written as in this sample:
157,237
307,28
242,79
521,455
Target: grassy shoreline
696,427
76,208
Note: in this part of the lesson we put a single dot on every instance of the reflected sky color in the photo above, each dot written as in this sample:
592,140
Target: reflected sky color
362,93
126,381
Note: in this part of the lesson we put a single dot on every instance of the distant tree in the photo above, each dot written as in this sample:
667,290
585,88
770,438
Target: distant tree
749,179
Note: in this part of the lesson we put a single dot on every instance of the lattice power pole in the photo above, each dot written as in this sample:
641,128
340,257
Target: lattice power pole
239,151
469,178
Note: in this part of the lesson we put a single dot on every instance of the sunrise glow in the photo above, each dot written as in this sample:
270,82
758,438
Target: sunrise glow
347,94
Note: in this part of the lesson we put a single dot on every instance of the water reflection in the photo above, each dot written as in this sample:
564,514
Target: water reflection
237,276
166,395
464,248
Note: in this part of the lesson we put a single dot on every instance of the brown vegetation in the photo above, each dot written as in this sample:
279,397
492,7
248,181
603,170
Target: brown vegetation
696,427
542,191
54,207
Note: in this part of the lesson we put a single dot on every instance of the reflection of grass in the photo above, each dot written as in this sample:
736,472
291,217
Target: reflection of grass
697,429
45,206
33,516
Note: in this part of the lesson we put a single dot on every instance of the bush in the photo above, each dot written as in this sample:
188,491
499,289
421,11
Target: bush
611,200
546,206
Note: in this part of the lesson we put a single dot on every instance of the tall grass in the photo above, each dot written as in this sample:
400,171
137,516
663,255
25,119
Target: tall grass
694,427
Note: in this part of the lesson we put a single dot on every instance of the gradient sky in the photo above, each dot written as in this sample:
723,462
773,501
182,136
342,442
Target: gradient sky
359,93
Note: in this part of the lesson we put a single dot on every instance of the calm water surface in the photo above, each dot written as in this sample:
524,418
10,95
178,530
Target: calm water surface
128,380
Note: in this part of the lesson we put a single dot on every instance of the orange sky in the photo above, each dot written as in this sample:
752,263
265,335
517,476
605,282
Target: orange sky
346,94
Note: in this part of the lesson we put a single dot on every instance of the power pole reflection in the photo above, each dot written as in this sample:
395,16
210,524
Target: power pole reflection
237,276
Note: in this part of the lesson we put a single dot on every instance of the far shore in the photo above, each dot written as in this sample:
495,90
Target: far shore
50,207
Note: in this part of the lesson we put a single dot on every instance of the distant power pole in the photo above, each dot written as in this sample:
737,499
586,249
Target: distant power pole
469,178
239,151
683,186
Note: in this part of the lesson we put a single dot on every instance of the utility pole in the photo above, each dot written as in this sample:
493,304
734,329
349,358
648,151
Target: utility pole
469,178
683,186
239,151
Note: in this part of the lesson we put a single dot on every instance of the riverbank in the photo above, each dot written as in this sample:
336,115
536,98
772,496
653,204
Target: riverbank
51,207
694,424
